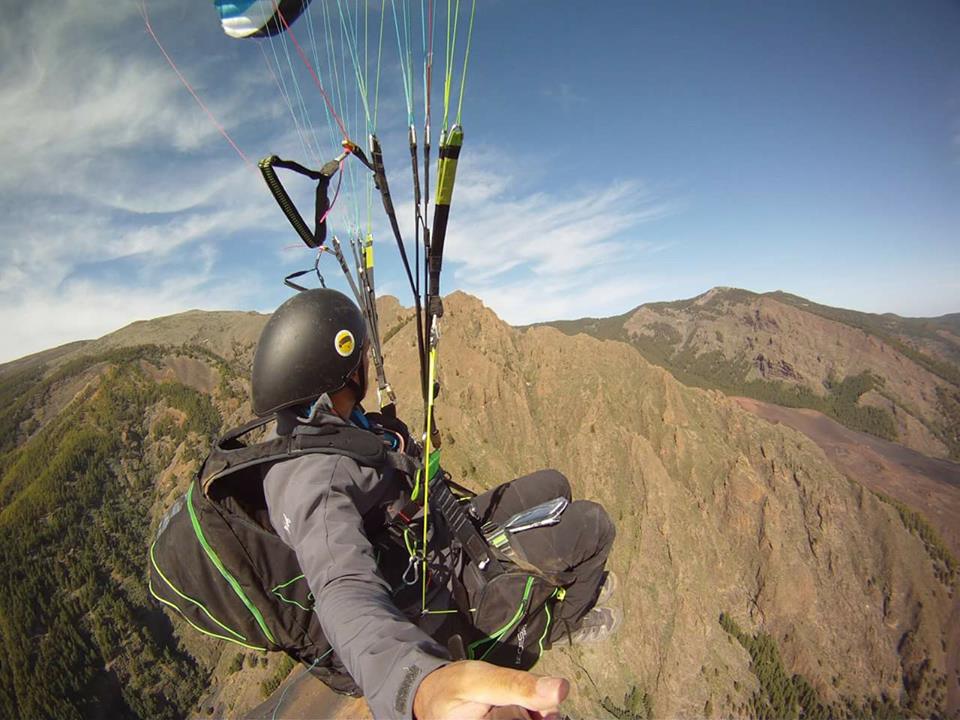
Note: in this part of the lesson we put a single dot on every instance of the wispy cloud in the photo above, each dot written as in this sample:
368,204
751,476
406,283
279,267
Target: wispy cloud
565,95
548,234
537,255
522,302
46,317
72,93
112,176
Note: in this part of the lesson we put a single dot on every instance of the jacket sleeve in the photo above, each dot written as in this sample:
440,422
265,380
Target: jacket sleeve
315,505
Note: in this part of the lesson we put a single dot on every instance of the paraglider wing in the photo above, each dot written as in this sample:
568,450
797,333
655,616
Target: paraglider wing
257,18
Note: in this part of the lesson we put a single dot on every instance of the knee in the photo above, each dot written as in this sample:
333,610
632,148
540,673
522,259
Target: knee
555,481
594,515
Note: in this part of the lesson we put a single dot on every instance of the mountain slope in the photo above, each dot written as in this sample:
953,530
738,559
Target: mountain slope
719,514
898,378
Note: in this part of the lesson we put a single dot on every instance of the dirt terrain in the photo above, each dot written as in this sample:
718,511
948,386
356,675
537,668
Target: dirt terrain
928,485
303,696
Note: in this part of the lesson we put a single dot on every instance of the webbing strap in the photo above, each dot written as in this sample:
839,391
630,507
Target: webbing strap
312,238
229,454
380,181
461,525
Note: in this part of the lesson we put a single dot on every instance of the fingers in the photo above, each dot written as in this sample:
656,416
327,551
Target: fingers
508,712
485,683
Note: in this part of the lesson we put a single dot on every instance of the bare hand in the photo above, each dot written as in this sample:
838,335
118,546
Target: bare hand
472,690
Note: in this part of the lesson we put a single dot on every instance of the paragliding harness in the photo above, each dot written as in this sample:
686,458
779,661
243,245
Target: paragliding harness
218,562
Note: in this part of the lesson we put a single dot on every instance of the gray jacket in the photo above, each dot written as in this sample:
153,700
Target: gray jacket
317,505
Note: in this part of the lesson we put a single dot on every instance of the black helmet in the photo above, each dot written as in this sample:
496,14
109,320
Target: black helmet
310,346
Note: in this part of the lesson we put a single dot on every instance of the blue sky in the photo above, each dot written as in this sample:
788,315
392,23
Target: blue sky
615,154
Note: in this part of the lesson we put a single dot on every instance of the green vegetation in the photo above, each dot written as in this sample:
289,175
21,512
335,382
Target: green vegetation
890,329
782,696
236,665
602,328
637,705
78,635
944,563
287,664
14,403
712,370
24,391
948,403
395,329
663,345
725,296
842,400
228,373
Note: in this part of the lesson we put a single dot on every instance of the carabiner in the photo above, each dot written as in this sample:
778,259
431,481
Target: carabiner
412,567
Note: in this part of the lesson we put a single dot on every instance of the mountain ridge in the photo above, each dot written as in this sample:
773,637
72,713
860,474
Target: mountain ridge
898,378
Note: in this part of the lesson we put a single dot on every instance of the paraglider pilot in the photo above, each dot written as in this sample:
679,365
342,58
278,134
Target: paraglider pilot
353,532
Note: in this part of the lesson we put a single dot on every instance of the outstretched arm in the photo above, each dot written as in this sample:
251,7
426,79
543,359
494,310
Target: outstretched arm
316,504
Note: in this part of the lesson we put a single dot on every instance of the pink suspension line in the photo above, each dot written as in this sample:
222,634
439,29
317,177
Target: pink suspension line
186,84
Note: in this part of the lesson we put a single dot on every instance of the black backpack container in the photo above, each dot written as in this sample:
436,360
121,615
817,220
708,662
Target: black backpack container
218,562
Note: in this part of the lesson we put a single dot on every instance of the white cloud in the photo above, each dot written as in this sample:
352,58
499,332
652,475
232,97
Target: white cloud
495,228
87,101
565,94
535,255
564,297
42,318
50,244
117,195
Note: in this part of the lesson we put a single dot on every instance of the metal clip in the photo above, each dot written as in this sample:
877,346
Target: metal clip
412,567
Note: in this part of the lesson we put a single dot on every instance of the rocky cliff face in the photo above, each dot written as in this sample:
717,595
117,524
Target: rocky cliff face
827,598
717,512
896,377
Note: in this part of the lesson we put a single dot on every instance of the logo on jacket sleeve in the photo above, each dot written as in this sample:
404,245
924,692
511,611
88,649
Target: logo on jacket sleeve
287,523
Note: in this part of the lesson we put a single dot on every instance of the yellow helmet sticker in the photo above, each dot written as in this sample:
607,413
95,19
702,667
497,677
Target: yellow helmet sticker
344,343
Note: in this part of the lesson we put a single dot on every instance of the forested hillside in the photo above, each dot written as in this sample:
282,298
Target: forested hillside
79,637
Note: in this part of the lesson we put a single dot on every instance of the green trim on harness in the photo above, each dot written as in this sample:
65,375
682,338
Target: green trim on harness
280,595
498,635
433,464
195,627
288,582
223,571
173,587
499,541
559,594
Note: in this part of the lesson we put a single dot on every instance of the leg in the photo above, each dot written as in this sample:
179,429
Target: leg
579,544
520,494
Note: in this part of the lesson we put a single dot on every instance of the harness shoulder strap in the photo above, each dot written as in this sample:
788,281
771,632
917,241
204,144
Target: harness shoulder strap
229,454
